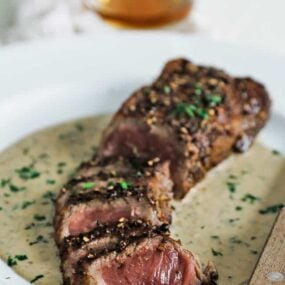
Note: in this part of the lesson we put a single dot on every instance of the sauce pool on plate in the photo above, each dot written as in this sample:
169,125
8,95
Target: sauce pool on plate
226,218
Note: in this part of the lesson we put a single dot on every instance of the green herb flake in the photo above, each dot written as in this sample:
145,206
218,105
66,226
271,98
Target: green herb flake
214,100
124,185
38,277
191,110
61,164
11,262
276,152
271,209
250,198
198,90
39,239
5,182
21,257
231,186
215,237
27,172
49,195
1,209
39,218
255,252
235,240
14,188
88,185
238,208
79,127
27,204
166,89
216,252
50,181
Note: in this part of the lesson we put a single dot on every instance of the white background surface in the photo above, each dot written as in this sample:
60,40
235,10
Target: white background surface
256,23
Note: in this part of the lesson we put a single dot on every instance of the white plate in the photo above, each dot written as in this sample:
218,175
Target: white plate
49,82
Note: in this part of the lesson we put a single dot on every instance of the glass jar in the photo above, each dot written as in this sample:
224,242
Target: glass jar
141,12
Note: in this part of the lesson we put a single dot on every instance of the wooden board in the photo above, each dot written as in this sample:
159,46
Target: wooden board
270,268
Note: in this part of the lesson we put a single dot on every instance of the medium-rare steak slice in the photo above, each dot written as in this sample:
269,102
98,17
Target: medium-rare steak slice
106,190
156,260
192,116
101,241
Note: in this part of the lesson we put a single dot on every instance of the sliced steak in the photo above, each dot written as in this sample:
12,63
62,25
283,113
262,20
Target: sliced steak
156,260
192,116
104,191
101,241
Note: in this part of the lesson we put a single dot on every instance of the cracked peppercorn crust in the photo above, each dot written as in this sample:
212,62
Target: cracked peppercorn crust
105,190
193,116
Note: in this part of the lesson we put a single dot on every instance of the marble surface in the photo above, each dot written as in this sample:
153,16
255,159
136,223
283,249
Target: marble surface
257,23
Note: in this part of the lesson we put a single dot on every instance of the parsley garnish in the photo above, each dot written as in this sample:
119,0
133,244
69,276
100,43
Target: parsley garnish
39,218
39,239
238,208
191,110
13,261
276,152
216,253
124,185
231,187
214,100
215,237
5,182
49,195
26,204
271,209
27,173
37,278
250,198
50,181
166,89
14,188
88,185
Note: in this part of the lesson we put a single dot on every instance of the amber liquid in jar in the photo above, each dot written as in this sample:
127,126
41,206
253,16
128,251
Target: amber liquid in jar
141,13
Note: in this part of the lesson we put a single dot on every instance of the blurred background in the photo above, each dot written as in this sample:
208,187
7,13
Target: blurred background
257,23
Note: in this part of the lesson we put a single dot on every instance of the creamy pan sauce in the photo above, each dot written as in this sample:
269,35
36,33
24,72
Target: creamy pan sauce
220,219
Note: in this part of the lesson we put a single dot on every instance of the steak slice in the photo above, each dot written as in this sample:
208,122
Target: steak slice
157,260
101,241
106,190
192,116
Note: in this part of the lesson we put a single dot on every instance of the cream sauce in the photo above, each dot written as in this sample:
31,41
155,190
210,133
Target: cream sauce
211,221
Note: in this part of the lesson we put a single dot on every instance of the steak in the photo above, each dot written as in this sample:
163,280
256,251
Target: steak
192,116
101,241
156,259
106,190
112,217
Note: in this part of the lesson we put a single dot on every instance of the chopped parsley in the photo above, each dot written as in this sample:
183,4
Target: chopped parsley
39,218
27,172
250,198
198,90
49,195
50,181
166,89
215,237
216,252
60,167
14,188
27,204
214,100
1,208
191,111
12,261
5,182
124,185
271,209
79,127
238,208
39,239
231,186
276,152
254,252
88,185
40,276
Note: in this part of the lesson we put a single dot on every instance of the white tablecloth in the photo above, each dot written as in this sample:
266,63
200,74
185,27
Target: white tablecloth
257,23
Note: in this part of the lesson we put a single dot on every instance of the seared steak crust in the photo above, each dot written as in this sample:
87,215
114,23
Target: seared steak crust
103,191
193,116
